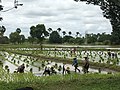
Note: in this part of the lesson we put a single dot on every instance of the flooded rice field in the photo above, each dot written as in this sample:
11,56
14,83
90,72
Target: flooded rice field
108,55
12,61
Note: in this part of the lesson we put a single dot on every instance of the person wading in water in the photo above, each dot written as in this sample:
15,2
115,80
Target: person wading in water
86,65
21,68
75,64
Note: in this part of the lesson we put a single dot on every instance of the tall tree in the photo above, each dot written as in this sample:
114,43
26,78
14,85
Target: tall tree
55,37
39,31
1,8
14,38
3,39
111,10
2,31
18,30
64,33
77,33
32,31
69,33
22,39
59,29
49,30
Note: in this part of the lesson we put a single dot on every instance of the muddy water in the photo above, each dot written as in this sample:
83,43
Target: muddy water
13,61
96,56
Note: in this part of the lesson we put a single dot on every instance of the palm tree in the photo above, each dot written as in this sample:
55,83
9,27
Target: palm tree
2,30
64,33
77,34
39,32
49,30
1,18
1,8
59,29
18,30
69,33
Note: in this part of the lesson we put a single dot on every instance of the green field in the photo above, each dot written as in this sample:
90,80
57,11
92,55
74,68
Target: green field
67,82
58,82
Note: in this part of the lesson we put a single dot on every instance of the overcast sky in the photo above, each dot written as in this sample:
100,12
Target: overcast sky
65,14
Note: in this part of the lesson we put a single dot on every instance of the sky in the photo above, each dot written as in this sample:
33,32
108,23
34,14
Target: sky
65,14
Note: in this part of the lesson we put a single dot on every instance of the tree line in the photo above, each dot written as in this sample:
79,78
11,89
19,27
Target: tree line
39,35
111,10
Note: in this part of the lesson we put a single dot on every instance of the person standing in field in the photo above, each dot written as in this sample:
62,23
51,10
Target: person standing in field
75,64
63,71
68,70
47,71
86,65
109,53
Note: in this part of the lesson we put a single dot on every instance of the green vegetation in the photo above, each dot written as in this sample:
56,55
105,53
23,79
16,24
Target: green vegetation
108,7
39,35
110,10
39,32
60,82
16,38
55,37
62,54
64,82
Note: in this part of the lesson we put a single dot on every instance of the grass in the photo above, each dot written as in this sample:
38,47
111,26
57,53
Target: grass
60,82
67,82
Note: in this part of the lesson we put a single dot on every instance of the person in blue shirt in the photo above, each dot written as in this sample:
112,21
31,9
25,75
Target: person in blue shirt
75,64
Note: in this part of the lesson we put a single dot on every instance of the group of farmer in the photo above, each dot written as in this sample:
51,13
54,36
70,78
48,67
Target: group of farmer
65,70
